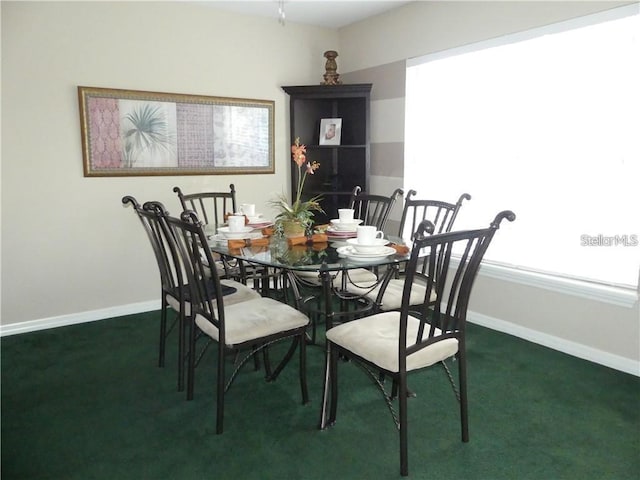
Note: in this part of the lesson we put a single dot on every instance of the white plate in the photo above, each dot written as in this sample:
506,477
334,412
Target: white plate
245,232
350,253
345,227
376,247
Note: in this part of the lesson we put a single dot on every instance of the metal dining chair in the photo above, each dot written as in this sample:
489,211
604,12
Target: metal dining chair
170,282
211,208
174,289
403,342
251,325
373,210
388,294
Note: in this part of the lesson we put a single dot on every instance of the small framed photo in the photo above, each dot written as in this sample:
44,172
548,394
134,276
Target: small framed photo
330,131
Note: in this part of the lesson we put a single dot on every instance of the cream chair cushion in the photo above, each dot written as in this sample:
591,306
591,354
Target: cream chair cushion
242,294
359,276
392,298
376,339
255,318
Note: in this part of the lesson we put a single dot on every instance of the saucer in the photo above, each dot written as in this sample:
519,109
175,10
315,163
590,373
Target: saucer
377,245
351,254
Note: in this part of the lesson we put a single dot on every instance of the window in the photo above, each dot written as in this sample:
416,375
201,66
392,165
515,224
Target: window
545,123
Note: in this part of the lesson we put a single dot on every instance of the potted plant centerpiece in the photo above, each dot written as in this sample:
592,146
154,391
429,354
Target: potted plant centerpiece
295,219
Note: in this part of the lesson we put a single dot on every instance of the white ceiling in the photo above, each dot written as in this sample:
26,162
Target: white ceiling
328,13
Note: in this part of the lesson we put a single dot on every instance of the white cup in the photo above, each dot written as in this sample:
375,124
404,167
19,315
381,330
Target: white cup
235,222
249,209
345,215
367,234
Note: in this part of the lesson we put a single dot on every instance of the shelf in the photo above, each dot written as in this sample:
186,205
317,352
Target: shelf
342,167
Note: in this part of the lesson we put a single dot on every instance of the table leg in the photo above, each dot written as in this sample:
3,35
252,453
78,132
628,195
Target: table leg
326,280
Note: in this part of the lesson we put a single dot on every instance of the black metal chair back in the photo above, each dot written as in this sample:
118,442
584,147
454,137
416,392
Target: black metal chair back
210,207
441,214
373,209
452,264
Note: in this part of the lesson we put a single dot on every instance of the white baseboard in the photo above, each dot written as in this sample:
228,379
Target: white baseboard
572,348
566,346
75,318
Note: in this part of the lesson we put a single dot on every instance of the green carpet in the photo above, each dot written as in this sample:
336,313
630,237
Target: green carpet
88,402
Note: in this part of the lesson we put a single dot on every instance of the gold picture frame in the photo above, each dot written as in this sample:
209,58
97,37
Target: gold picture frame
139,133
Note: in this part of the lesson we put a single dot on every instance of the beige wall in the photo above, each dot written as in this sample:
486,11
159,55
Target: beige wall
68,245
371,52
70,252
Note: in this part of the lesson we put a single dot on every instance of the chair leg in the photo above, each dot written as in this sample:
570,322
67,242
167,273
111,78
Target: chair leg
394,389
287,357
256,360
181,342
325,388
333,365
402,405
303,367
163,333
220,391
315,318
462,379
191,358
267,362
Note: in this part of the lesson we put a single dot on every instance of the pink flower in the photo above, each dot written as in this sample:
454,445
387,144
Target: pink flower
298,152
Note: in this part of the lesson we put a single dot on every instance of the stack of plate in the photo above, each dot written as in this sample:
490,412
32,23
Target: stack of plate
340,229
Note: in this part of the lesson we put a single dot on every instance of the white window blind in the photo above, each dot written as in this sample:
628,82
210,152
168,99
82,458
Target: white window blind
545,123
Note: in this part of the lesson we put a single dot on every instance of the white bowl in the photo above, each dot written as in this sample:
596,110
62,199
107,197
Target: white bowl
242,233
345,226
376,246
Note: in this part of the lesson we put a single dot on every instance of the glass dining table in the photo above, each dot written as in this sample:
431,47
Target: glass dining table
317,274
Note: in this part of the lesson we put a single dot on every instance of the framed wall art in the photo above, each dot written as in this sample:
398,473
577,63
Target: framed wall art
330,131
135,133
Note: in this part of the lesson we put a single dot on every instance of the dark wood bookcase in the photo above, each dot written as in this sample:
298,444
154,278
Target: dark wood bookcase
342,166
